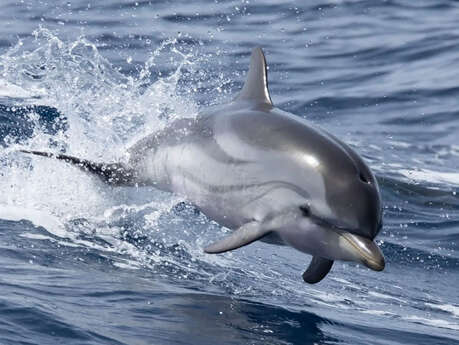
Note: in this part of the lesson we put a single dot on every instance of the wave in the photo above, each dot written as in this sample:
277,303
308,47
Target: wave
65,96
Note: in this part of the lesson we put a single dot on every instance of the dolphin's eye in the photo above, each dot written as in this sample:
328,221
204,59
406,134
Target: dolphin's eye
305,210
363,178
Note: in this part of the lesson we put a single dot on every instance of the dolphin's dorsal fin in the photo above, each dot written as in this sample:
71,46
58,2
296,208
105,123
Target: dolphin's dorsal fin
256,84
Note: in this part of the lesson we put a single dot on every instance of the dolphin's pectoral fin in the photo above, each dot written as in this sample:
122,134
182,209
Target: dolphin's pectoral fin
246,234
317,270
111,173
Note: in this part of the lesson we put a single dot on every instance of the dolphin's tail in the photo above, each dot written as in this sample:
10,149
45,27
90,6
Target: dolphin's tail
111,173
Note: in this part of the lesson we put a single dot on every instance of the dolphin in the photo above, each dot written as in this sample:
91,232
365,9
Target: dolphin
264,173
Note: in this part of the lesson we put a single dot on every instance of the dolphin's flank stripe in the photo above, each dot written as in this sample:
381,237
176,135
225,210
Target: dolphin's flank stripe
111,173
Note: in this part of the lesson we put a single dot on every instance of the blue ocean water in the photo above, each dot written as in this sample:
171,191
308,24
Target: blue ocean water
85,263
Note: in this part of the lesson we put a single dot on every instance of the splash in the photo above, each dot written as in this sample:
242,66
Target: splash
103,107
100,112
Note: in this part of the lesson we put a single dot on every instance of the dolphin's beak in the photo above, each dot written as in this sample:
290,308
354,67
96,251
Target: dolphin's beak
365,250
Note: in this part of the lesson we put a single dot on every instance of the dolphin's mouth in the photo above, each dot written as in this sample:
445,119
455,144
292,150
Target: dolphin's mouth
368,252
363,249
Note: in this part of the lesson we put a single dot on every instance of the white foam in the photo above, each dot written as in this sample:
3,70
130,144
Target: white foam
38,218
384,296
132,265
346,283
433,322
37,237
377,312
431,176
10,90
449,308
